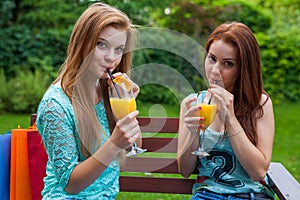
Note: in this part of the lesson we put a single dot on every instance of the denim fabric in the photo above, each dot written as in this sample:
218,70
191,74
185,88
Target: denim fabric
206,195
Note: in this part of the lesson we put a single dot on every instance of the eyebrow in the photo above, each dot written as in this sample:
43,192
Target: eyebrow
229,59
224,58
120,45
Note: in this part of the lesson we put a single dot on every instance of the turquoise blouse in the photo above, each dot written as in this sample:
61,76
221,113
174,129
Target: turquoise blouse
56,124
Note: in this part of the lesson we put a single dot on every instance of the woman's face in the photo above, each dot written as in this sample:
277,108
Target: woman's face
221,64
109,50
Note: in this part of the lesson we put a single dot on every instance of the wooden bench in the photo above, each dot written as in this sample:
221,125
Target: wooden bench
160,139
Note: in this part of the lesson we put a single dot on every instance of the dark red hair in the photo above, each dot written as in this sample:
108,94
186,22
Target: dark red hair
248,88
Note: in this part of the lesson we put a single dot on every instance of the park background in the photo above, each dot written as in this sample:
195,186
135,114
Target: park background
34,36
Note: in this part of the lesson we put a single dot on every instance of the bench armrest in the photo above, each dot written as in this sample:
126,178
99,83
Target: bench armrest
284,184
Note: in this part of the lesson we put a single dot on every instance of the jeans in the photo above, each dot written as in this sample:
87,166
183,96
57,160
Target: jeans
207,195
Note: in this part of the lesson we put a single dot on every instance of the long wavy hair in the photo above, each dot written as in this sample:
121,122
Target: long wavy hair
248,88
75,72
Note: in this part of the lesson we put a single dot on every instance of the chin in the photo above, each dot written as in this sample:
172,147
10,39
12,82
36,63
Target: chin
104,76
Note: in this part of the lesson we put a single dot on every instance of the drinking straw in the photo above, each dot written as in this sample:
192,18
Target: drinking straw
211,94
112,79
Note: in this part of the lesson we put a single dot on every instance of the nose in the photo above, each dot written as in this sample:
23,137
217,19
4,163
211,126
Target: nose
109,56
216,68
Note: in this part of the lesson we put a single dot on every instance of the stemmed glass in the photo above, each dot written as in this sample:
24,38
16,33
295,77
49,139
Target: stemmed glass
208,111
122,103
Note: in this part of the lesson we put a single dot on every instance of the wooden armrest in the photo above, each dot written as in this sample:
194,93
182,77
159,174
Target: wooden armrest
284,184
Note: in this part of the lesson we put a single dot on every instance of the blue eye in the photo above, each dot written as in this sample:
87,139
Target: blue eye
101,44
119,49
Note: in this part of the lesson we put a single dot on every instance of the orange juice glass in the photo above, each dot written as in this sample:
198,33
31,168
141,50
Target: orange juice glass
122,103
208,111
122,107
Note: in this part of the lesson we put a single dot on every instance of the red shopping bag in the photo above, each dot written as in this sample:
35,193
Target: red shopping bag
37,159
28,164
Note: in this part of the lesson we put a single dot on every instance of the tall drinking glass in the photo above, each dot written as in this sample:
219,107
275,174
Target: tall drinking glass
208,111
122,103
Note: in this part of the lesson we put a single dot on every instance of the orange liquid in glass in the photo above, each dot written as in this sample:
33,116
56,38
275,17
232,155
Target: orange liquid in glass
122,107
208,111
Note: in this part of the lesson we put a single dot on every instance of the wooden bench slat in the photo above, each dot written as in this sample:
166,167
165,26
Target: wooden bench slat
156,185
285,185
156,165
168,145
159,125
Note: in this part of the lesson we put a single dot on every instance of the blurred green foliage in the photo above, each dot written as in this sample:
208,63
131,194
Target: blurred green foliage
198,18
34,36
22,93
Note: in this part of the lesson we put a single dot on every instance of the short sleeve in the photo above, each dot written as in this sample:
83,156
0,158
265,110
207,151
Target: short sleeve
57,127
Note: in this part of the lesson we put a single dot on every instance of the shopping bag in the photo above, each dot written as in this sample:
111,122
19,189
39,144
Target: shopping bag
28,164
37,159
5,145
19,170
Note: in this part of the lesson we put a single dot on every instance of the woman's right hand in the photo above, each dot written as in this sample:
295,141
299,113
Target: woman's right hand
126,131
191,119
188,138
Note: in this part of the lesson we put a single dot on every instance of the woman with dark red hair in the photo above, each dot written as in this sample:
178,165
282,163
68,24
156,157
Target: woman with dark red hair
240,139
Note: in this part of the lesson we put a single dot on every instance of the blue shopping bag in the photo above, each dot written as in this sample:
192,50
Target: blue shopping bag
5,148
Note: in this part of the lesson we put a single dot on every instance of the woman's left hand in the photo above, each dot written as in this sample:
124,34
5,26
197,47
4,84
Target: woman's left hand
135,87
224,101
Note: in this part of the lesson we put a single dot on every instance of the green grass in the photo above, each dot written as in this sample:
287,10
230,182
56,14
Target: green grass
287,137
12,121
286,145
158,110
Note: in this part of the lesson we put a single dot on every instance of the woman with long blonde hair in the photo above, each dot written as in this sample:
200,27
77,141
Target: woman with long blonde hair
83,142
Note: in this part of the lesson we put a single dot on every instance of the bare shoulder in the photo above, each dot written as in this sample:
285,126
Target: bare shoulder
266,101
267,105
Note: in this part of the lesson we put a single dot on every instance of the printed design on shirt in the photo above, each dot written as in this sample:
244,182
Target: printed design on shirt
224,163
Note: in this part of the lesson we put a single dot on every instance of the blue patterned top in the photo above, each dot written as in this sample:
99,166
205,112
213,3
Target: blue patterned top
221,172
56,124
